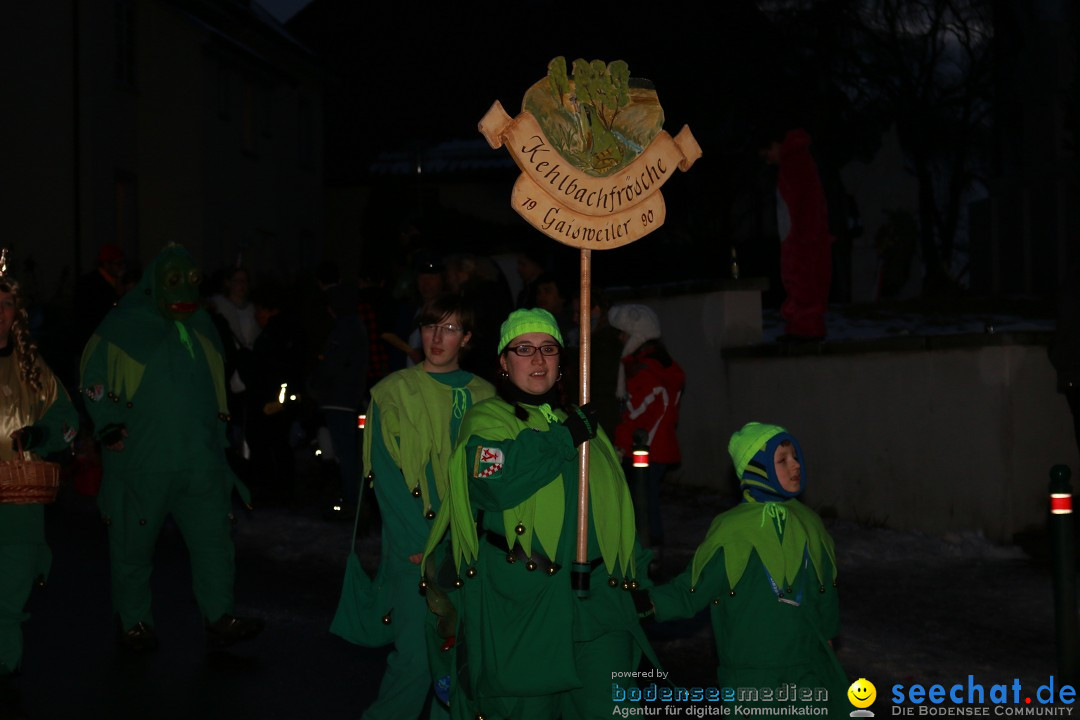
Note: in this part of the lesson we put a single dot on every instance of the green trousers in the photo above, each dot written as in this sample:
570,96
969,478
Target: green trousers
24,557
200,509
20,566
592,701
408,679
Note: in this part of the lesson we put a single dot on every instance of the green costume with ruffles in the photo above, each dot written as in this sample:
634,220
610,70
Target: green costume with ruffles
24,554
412,422
767,572
163,381
526,647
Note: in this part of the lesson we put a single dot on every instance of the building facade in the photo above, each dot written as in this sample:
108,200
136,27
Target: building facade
145,122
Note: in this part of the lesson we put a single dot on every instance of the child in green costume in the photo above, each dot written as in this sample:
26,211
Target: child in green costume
154,381
767,572
412,422
526,646
38,411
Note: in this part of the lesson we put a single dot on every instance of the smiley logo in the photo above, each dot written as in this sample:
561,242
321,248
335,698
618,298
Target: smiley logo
862,693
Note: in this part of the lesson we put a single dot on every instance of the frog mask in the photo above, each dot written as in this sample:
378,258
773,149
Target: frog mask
176,286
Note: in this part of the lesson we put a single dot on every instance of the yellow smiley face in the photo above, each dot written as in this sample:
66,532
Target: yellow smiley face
862,693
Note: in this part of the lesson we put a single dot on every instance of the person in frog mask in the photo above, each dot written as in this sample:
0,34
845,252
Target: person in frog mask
767,572
154,382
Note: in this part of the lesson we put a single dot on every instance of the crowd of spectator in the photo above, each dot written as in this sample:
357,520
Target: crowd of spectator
302,352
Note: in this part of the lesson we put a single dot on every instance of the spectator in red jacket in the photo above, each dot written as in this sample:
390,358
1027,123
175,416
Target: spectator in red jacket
650,386
805,242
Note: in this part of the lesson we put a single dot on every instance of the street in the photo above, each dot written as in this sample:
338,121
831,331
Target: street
72,667
914,609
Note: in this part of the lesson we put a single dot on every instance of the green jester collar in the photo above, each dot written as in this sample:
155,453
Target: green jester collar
163,307
782,534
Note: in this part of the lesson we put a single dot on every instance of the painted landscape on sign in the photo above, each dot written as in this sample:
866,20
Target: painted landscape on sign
597,116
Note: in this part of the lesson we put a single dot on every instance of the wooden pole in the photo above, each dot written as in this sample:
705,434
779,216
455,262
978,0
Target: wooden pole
582,571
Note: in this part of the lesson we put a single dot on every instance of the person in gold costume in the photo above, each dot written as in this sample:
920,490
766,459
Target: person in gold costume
36,410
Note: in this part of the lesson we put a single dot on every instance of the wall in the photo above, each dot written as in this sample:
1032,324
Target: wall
38,200
932,434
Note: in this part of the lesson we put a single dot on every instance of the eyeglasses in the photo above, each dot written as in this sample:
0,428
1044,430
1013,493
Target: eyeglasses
446,328
530,350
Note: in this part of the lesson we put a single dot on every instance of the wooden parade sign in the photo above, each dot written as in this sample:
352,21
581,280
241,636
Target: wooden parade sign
593,154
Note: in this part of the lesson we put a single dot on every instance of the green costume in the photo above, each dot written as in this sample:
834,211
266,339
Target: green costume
154,369
767,572
412,422
24,556
526,646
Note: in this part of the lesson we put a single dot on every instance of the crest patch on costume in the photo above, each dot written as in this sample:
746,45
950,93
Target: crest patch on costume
96,392
489,462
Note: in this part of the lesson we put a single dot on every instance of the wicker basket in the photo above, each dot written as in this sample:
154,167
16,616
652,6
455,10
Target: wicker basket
24,480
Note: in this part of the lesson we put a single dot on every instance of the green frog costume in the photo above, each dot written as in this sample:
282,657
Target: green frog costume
526,646
412,422
43,404
153,377
767,572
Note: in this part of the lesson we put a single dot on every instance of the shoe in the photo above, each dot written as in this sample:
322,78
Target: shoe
229,630
140,637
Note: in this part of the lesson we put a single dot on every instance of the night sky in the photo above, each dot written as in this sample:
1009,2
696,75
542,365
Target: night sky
404,80
423,76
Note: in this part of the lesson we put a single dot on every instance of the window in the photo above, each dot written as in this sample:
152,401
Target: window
306,132
248,118
266,96
126,210
224,90
124,39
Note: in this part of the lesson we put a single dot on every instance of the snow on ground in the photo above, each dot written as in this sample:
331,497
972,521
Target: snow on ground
915,608
872,323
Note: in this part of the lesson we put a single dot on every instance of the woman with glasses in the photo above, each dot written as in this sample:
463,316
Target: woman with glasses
526,645
412,422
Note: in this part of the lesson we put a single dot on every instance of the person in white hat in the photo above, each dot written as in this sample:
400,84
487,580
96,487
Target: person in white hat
650,385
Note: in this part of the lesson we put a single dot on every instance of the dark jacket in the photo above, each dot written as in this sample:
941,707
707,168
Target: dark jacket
1065,350
339,380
